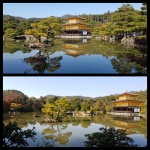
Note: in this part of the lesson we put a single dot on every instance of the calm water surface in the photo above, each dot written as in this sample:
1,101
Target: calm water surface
71,133
73,57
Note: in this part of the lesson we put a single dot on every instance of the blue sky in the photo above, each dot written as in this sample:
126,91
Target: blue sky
74,86
41,10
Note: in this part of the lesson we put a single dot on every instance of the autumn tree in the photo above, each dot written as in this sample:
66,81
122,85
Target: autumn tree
15,106
50,109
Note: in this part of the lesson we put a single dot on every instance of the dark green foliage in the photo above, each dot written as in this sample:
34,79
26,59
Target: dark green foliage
144,9
13,136
14,27
109,138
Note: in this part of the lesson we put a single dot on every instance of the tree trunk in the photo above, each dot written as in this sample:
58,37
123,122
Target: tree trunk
58,114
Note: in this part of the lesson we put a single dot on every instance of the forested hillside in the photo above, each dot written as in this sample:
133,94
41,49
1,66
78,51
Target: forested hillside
76,103
13,96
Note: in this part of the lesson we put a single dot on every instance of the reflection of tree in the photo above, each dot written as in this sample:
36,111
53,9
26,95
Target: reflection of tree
129,62
122,65
13,46
135,126
62,138
41,62
49,131
85,124
75,123
23,119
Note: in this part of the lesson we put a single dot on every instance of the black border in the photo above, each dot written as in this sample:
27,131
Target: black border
83,75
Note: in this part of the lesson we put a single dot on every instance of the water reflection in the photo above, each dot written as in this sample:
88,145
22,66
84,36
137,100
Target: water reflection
71,133
75,47
74,56
130,64
58,135
41,62
126,122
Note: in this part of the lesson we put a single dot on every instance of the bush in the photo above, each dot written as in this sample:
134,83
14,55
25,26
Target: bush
13,136
109,138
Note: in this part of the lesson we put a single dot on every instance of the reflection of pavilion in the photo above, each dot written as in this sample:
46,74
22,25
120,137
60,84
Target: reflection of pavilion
126,122
75,47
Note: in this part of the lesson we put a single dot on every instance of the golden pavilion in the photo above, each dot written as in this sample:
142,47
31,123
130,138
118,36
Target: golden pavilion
75,26
127,103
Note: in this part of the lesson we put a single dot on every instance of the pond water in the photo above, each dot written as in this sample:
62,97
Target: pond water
80,56
71,133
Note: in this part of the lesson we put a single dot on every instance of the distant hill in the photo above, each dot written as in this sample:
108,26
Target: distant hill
21,18
34,18
10,96
68,97
124,92
66,16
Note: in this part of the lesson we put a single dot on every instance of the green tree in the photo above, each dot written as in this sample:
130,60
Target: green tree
49,27
10,33
143,107
75,104
9,23
85,106
124,18
51,99
108,29
109,138
13,136
144,9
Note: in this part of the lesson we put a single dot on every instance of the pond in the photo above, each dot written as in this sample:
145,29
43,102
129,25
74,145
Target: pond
71,132
75,56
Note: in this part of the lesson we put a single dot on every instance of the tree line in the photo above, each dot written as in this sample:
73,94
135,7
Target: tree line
123,21
60,105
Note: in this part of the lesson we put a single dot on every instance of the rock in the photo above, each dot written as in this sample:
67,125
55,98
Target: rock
48,120
127,41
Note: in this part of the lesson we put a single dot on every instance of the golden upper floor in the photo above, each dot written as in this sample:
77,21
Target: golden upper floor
75,23
127,96
74,19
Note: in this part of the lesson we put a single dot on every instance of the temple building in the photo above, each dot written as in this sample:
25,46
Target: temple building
75,26
126,104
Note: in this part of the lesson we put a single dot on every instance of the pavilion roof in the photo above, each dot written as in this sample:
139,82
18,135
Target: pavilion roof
126,93
126,100
67,24
74,17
